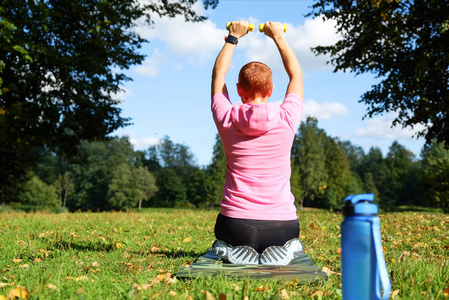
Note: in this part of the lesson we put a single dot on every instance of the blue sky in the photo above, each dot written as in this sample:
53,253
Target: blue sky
170,94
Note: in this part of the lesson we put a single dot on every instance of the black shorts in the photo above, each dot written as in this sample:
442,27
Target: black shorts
258,234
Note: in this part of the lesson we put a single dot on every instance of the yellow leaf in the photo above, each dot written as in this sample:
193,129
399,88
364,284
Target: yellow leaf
186,240
16,260
19,292
393,261
119,245
394,293
37,260
3,297
24,266
51,286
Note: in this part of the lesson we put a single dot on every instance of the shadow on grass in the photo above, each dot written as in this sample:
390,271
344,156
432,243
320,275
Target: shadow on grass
180,254
84,246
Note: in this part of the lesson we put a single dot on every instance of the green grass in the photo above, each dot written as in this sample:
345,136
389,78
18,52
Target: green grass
136,256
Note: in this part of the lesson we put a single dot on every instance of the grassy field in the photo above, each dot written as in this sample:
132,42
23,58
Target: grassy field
136,256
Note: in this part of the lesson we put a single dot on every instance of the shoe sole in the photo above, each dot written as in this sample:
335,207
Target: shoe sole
243,255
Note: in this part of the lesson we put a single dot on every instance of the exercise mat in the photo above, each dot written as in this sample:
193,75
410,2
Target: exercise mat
301,270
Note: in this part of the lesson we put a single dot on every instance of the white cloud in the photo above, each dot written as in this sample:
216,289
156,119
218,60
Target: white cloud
200,42
323,111
380,128
151,65
144,143
182,38
301,38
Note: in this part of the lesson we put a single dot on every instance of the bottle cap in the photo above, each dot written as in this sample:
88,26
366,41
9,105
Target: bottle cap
360,205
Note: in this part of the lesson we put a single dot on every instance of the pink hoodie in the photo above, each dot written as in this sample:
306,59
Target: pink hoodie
257,139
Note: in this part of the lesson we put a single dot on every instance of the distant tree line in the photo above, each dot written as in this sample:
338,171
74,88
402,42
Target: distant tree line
111,175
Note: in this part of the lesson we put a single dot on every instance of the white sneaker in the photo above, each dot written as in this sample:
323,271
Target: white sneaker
221,248
236,255
282,255
243,255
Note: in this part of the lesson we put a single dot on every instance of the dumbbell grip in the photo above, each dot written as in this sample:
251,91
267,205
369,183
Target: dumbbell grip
262,27
250,26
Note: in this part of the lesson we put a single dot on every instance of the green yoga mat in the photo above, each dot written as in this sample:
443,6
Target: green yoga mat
301,270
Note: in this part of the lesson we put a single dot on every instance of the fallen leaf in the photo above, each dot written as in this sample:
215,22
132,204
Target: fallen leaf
284,294
52,286
3,297
262,288
37,260
294,282
172,293
119,245
186,240
2,285
19,292
394,293
95,264
222,297
326,270
236,287
446,292
320,293
208,295
16,260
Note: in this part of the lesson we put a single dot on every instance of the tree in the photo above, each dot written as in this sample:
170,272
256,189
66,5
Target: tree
435,175
308,154
172,191
60,65
340,180
377,177
216,173
94,170
64,187
403,42
401,162
39,194
145,184
121,189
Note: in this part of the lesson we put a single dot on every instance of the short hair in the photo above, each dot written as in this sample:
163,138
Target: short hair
255,79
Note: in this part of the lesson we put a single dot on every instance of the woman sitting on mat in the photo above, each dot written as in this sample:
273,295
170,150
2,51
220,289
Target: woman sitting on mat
257,222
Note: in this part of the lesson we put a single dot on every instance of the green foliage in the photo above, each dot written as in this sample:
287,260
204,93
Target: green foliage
404,43
308,153
435,175
38,194
61,68
216,173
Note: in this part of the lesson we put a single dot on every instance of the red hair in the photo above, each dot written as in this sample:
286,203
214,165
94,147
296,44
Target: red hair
255,80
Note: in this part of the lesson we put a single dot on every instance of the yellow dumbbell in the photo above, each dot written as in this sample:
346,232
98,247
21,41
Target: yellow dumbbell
262,29
250,26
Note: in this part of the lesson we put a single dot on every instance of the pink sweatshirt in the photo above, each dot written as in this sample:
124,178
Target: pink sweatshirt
257,139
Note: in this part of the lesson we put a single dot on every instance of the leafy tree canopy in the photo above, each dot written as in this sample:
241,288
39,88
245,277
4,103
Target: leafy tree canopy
403,42
60,72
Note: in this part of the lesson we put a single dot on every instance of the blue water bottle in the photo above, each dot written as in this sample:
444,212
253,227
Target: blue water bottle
364,272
